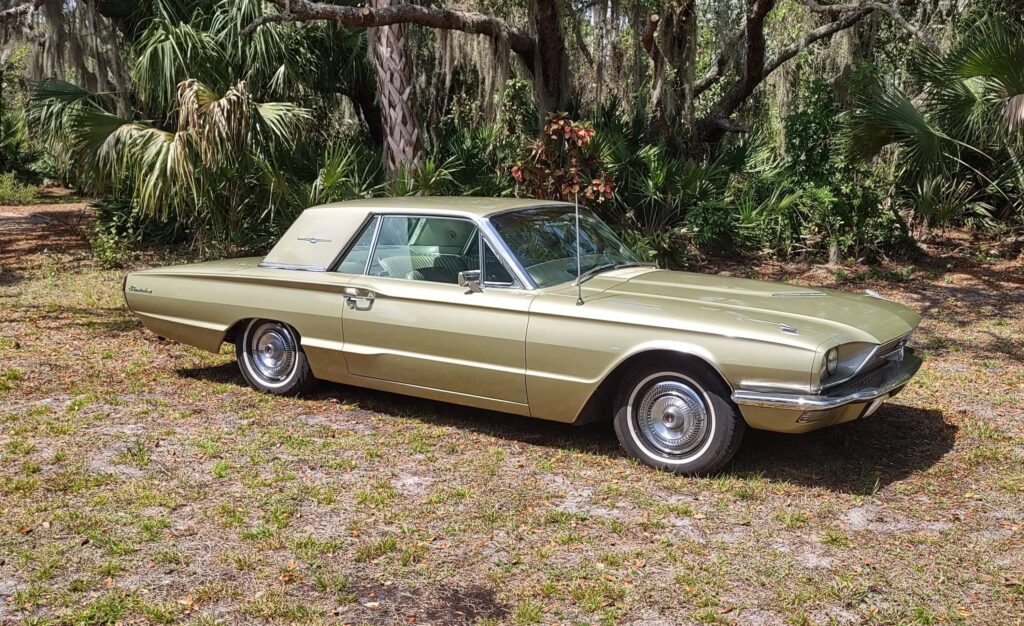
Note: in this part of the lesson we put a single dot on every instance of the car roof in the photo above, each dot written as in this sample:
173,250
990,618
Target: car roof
317,235
468,206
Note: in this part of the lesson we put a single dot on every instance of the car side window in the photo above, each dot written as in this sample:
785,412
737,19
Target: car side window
431,249
355,259
494,272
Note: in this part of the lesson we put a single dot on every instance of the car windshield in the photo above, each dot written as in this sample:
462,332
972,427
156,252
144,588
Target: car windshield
543,240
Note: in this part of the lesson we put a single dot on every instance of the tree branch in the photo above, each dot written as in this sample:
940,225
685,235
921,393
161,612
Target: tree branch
717,70
20,11
647,39
433,17
845,20
753,66
891,9
757,68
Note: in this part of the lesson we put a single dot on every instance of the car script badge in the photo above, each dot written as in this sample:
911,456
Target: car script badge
314,240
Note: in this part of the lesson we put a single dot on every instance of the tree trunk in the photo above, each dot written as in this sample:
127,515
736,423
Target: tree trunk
550,75
671,42
390,56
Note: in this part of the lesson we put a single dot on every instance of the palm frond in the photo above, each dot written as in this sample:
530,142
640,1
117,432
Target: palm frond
169,53
888,117
282,121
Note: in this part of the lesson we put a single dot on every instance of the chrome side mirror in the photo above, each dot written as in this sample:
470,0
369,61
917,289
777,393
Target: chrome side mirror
470,279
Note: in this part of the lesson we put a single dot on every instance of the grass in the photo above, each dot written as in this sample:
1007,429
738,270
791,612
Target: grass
141,482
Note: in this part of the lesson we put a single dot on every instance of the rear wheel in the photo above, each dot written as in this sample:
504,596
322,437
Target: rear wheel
678,419
271,358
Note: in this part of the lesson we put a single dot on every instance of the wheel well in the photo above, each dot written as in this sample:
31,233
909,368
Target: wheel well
597,407
232,334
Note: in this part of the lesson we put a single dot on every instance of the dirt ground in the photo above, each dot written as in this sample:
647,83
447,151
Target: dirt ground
142,482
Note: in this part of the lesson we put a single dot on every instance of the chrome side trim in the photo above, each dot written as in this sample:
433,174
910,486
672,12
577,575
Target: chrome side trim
292,266
901,375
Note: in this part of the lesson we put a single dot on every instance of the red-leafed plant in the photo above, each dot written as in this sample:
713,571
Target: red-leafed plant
561,164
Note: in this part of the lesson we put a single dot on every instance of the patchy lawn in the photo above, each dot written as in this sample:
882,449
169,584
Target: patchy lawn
142,482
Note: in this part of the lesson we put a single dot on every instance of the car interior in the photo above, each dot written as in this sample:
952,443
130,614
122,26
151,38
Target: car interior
433,249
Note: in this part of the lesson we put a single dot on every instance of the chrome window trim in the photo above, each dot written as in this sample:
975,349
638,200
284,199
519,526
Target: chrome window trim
373,243
504,254
345,249
484,244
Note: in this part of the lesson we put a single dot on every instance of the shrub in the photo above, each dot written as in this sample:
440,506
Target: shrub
561,165
121,225
669,248
713,225
14,192
108,250
120,219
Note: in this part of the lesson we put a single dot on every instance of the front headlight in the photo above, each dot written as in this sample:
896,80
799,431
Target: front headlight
831,361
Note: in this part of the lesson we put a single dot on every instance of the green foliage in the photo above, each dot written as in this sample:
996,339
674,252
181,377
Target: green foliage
810,132
713,225
14,192
671,248
958,145
17,153
225,138
346,171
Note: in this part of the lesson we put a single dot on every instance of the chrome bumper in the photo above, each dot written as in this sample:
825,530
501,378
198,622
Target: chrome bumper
879,383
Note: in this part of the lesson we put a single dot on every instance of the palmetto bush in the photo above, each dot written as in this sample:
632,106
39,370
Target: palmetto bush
958,145
214,171
220,139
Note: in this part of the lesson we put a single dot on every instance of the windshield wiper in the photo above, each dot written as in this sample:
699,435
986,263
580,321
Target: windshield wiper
597,269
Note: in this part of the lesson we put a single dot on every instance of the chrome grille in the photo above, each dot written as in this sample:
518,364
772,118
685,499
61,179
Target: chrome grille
870,380
881,355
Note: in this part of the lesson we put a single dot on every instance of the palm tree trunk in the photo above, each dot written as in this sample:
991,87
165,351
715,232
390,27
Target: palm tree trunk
394,80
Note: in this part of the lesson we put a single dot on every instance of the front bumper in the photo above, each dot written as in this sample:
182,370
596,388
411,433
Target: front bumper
788,412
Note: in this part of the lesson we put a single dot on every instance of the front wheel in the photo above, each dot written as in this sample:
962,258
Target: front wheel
271,358
678,419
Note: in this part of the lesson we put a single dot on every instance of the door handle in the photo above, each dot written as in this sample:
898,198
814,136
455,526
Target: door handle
358,299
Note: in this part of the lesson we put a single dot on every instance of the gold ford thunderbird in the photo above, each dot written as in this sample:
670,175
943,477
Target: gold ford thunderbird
528,307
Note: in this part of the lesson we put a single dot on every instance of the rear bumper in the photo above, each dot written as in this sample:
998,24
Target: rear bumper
786,412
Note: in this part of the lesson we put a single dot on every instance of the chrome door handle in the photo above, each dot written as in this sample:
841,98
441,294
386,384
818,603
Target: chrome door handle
358,299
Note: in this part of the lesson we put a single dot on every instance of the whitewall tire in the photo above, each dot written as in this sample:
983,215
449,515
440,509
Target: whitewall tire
678,418
271,359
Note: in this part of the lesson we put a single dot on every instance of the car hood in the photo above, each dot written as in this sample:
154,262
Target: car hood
807,316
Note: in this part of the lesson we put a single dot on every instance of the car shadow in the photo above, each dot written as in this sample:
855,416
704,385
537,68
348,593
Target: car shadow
858,457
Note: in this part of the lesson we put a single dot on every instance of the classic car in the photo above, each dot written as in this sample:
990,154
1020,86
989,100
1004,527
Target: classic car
530,307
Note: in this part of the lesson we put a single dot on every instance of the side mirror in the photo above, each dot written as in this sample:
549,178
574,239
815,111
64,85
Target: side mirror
470,279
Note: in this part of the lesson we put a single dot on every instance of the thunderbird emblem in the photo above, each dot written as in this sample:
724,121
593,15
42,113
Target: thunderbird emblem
313,239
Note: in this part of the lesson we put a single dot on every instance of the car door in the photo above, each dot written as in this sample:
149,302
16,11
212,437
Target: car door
408,321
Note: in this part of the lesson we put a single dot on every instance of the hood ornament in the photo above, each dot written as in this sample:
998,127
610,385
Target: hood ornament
786,328
313,240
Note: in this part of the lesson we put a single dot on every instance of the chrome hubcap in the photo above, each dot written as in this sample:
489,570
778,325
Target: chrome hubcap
272,349
672,417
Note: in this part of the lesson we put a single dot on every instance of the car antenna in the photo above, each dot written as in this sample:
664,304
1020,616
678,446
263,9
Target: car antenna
579,274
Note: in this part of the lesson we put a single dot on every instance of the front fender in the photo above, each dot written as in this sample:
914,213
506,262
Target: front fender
568,359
